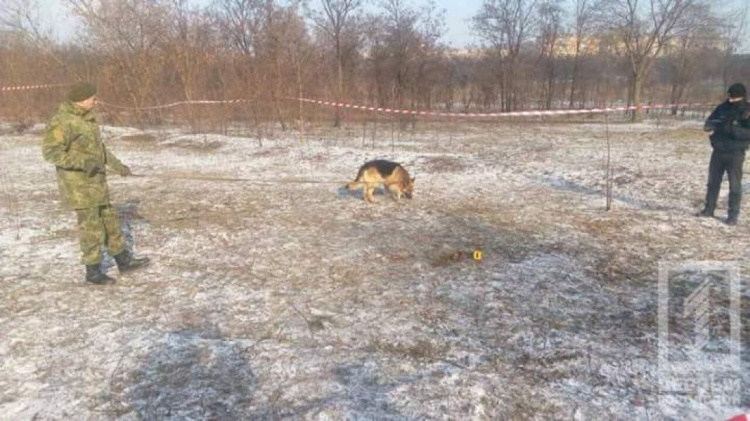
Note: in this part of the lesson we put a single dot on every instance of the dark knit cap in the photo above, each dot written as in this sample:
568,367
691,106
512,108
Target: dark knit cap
737,91
81,91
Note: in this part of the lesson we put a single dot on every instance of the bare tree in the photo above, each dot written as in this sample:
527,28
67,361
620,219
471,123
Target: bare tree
22,17
550,26
405,52
257,30
336,18
644,28
429,58
132,33
694,45
189,42
299,55
507,25
734,26
240,22
270,54
295,51
402,44
241,27
581,32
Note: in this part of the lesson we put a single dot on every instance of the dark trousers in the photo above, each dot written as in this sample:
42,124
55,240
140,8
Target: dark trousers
731,163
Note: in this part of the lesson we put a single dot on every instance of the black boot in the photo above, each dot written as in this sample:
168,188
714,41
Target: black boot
734,208
94,275
126,262
706,213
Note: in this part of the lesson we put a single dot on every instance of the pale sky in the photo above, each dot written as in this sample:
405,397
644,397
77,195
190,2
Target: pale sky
458,13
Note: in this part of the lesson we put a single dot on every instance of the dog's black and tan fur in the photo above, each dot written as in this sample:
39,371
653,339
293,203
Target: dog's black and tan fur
390,174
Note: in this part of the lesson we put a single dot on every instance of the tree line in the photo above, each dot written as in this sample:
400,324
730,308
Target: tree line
542,54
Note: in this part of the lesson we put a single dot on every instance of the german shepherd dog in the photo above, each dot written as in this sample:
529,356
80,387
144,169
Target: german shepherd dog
390,174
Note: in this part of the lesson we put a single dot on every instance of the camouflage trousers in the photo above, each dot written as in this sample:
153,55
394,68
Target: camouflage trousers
99,227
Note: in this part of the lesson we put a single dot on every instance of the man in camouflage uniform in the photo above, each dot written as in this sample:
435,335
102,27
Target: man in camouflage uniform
73,143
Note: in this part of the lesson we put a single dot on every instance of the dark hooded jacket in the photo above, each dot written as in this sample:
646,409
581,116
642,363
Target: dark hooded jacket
730,123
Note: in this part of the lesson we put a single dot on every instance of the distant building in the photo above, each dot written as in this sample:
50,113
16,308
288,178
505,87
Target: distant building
591,45
611,43
566,45
464,52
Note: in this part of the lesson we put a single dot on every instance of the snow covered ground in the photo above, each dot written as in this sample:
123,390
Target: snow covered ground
290,298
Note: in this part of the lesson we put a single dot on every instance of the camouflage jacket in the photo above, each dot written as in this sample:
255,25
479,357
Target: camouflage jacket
72,142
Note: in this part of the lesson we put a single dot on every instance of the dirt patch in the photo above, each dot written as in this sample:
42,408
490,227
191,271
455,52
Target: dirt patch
685,134
139,138
419,349
450,257
444,164
196,143
267,152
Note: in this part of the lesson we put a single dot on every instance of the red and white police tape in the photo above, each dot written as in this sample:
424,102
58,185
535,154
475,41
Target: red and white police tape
426,113
536,113
503,114
175,104
30,87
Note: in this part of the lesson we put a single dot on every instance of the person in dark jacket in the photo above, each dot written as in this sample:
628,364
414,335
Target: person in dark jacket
730,138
